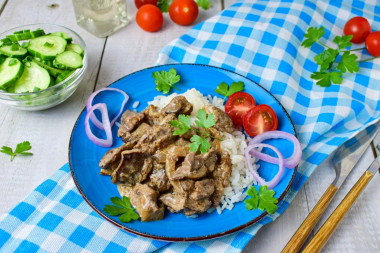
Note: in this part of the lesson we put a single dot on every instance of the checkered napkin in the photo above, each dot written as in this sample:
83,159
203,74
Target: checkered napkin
260,40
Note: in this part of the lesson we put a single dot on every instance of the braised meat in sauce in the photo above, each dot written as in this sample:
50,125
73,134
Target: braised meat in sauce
156,169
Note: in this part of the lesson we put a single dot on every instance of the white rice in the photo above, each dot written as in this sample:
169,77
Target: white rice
234,144
135,104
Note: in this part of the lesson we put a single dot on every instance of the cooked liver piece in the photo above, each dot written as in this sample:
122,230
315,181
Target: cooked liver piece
155,168
174,202
152,115
144,199
223,121
203,189
129,121
111,159
134,167
158,179
178,105
192,167
221,175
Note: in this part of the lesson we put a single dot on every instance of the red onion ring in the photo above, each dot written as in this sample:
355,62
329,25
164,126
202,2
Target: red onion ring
105,122
89,105
290,162
281,168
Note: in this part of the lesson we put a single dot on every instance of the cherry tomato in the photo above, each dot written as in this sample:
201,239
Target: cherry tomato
372,43
140,3
359,27
259,119
149,18
238,104
183,12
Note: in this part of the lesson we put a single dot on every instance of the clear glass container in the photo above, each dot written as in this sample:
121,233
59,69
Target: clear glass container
56,94
101,17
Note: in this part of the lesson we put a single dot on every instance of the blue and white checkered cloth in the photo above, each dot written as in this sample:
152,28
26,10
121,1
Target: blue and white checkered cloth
258,39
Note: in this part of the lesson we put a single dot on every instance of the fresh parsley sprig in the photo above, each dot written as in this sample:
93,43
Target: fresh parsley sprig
263,200
165,80
21,149
203,123
330,70
123,208
226,91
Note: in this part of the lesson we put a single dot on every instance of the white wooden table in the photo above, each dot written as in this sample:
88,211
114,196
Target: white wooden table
129,50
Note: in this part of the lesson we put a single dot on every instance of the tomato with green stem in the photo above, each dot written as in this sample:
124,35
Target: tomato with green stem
359,28
183,12
140,3
372,43
149,18
259,119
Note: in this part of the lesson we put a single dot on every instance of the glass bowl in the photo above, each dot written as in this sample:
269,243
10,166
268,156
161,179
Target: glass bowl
56,94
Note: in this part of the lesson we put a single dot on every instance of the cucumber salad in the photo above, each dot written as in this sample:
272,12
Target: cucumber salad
40,61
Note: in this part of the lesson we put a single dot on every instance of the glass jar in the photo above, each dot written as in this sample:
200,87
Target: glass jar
101,17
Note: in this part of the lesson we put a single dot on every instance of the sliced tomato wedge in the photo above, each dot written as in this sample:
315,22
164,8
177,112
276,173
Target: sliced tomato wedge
237,105
259,119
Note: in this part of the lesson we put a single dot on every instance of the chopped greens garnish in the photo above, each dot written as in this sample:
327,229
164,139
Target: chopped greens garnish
329,72
165,80
226,91
21,149
203,123
123,208
262,200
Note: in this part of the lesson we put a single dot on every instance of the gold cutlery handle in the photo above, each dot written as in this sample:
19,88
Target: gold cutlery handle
320,239
304,230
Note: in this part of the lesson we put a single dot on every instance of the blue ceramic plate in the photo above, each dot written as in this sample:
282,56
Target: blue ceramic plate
97,190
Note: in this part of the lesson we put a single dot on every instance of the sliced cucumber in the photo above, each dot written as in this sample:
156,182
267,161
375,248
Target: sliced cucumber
47,47
65,74
75,48
63,35
52,71
34,78
19,53
2,59
68,60
10,71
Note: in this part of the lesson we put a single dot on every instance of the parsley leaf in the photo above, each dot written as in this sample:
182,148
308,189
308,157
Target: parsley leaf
204,4
204,121
343,41
264,200
199,142
326,58
123,208
20,150
348,63
324,79
163,5
166,80
226,91
313,35
183,124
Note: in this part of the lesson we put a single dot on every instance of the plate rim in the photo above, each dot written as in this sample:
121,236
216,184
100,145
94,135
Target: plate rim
181,239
